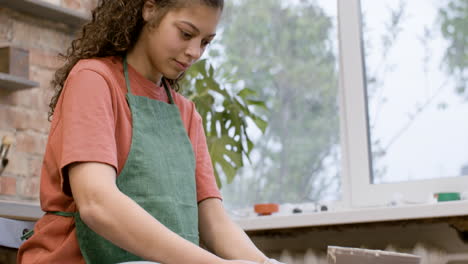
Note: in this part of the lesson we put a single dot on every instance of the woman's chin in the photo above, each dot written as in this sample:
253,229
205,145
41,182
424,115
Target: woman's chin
173,75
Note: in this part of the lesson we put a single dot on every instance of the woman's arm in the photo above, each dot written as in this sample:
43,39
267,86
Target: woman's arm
119,219
222,236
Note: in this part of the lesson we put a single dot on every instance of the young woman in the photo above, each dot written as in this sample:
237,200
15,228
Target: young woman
126,174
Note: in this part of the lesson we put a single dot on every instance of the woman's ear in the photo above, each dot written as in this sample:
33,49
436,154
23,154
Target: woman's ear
149,10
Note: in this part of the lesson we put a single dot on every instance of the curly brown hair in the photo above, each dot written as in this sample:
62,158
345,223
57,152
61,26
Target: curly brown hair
113,30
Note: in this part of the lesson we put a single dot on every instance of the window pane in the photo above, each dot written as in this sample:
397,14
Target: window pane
416,58
287,52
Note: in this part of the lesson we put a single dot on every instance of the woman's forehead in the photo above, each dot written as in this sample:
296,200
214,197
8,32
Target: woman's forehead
203,18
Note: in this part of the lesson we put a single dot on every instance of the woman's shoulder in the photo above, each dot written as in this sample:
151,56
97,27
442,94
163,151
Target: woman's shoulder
186,106
181,100
106,66
102,73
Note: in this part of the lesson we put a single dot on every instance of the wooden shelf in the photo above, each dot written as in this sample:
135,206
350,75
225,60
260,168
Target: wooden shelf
27,211
42,9
12,82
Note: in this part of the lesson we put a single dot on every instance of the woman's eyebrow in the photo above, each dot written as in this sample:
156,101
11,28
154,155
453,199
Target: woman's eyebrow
195,28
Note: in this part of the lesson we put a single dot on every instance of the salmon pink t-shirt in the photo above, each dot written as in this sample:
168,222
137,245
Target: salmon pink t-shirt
92,123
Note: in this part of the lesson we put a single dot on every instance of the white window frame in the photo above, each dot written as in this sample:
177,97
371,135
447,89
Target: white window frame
357,186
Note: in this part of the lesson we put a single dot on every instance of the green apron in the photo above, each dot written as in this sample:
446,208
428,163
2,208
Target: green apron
159,175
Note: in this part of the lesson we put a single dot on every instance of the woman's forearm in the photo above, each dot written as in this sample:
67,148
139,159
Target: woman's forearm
123,222
224,237
119,219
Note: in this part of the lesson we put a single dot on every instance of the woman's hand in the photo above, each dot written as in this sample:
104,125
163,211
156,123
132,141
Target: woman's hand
273,261
240,262
269,261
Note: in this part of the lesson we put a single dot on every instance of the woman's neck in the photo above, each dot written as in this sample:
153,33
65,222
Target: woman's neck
142,64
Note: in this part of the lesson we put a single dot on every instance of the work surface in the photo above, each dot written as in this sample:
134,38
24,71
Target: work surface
443,225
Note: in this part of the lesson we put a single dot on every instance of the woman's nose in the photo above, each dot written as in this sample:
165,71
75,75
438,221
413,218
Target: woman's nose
194,51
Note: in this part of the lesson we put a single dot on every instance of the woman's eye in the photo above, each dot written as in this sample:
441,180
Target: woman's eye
186,35
205,43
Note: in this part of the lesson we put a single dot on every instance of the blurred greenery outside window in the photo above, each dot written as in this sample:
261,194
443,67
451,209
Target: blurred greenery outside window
285,51
416,67
269,93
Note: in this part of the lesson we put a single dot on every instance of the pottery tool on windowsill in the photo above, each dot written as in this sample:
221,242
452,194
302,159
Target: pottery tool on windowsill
266,209
345,255
4,148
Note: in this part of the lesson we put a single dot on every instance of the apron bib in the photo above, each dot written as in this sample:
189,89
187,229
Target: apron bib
159,175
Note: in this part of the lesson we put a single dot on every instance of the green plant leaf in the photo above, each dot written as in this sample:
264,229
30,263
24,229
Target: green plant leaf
246,92
225,128
262,124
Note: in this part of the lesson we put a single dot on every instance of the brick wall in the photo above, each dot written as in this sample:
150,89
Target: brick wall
23,114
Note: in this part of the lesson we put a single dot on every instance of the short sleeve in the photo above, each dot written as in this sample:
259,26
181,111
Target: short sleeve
87,122
206,182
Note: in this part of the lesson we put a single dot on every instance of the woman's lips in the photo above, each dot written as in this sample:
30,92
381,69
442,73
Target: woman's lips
182,66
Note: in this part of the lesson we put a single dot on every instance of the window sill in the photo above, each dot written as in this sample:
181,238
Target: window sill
356,216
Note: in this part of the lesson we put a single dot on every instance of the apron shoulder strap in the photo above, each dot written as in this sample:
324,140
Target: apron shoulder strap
125,69
127,81
168,91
